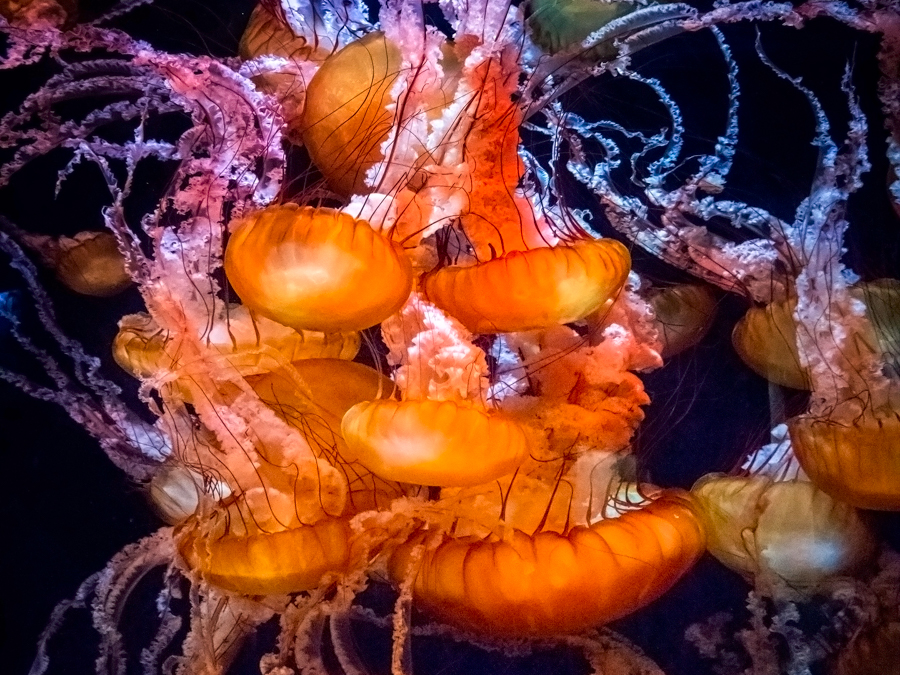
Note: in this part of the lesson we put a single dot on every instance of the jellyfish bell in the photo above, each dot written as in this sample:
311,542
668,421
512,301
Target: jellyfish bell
316,269
558,25
548,583
766,340
782,534
268,563
684,314
854,459
89,263
453,443
533,289
268,34
766,337
346,118
249,344
39,13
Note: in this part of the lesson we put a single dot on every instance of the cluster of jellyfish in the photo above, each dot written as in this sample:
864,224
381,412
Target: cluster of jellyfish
422,370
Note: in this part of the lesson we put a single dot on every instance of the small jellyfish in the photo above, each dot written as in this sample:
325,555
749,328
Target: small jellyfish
855,460
683,315
766,340
557,25
270,35
89,263
782,533
346,118
250,345
766,337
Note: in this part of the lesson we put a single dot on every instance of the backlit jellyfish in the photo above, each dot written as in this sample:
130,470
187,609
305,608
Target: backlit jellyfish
393,321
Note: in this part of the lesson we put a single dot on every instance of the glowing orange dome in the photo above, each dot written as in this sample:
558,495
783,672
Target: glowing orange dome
551,584
346,119
433,442
316,269
537,288
270,563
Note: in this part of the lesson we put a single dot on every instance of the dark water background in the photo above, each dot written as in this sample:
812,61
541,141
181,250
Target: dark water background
67,510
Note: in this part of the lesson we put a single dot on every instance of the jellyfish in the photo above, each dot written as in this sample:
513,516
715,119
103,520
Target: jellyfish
779,529
397,390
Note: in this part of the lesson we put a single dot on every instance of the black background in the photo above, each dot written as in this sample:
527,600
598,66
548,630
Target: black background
66,510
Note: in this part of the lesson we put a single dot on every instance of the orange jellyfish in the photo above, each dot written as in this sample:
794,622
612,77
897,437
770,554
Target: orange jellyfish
784,534
250,345
268,34
268,518
766,337
851,450
316,269
312,396
455,443
766,340
256,562
346,118
684,314
549,583
89,263
531,289
440,433
855,460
